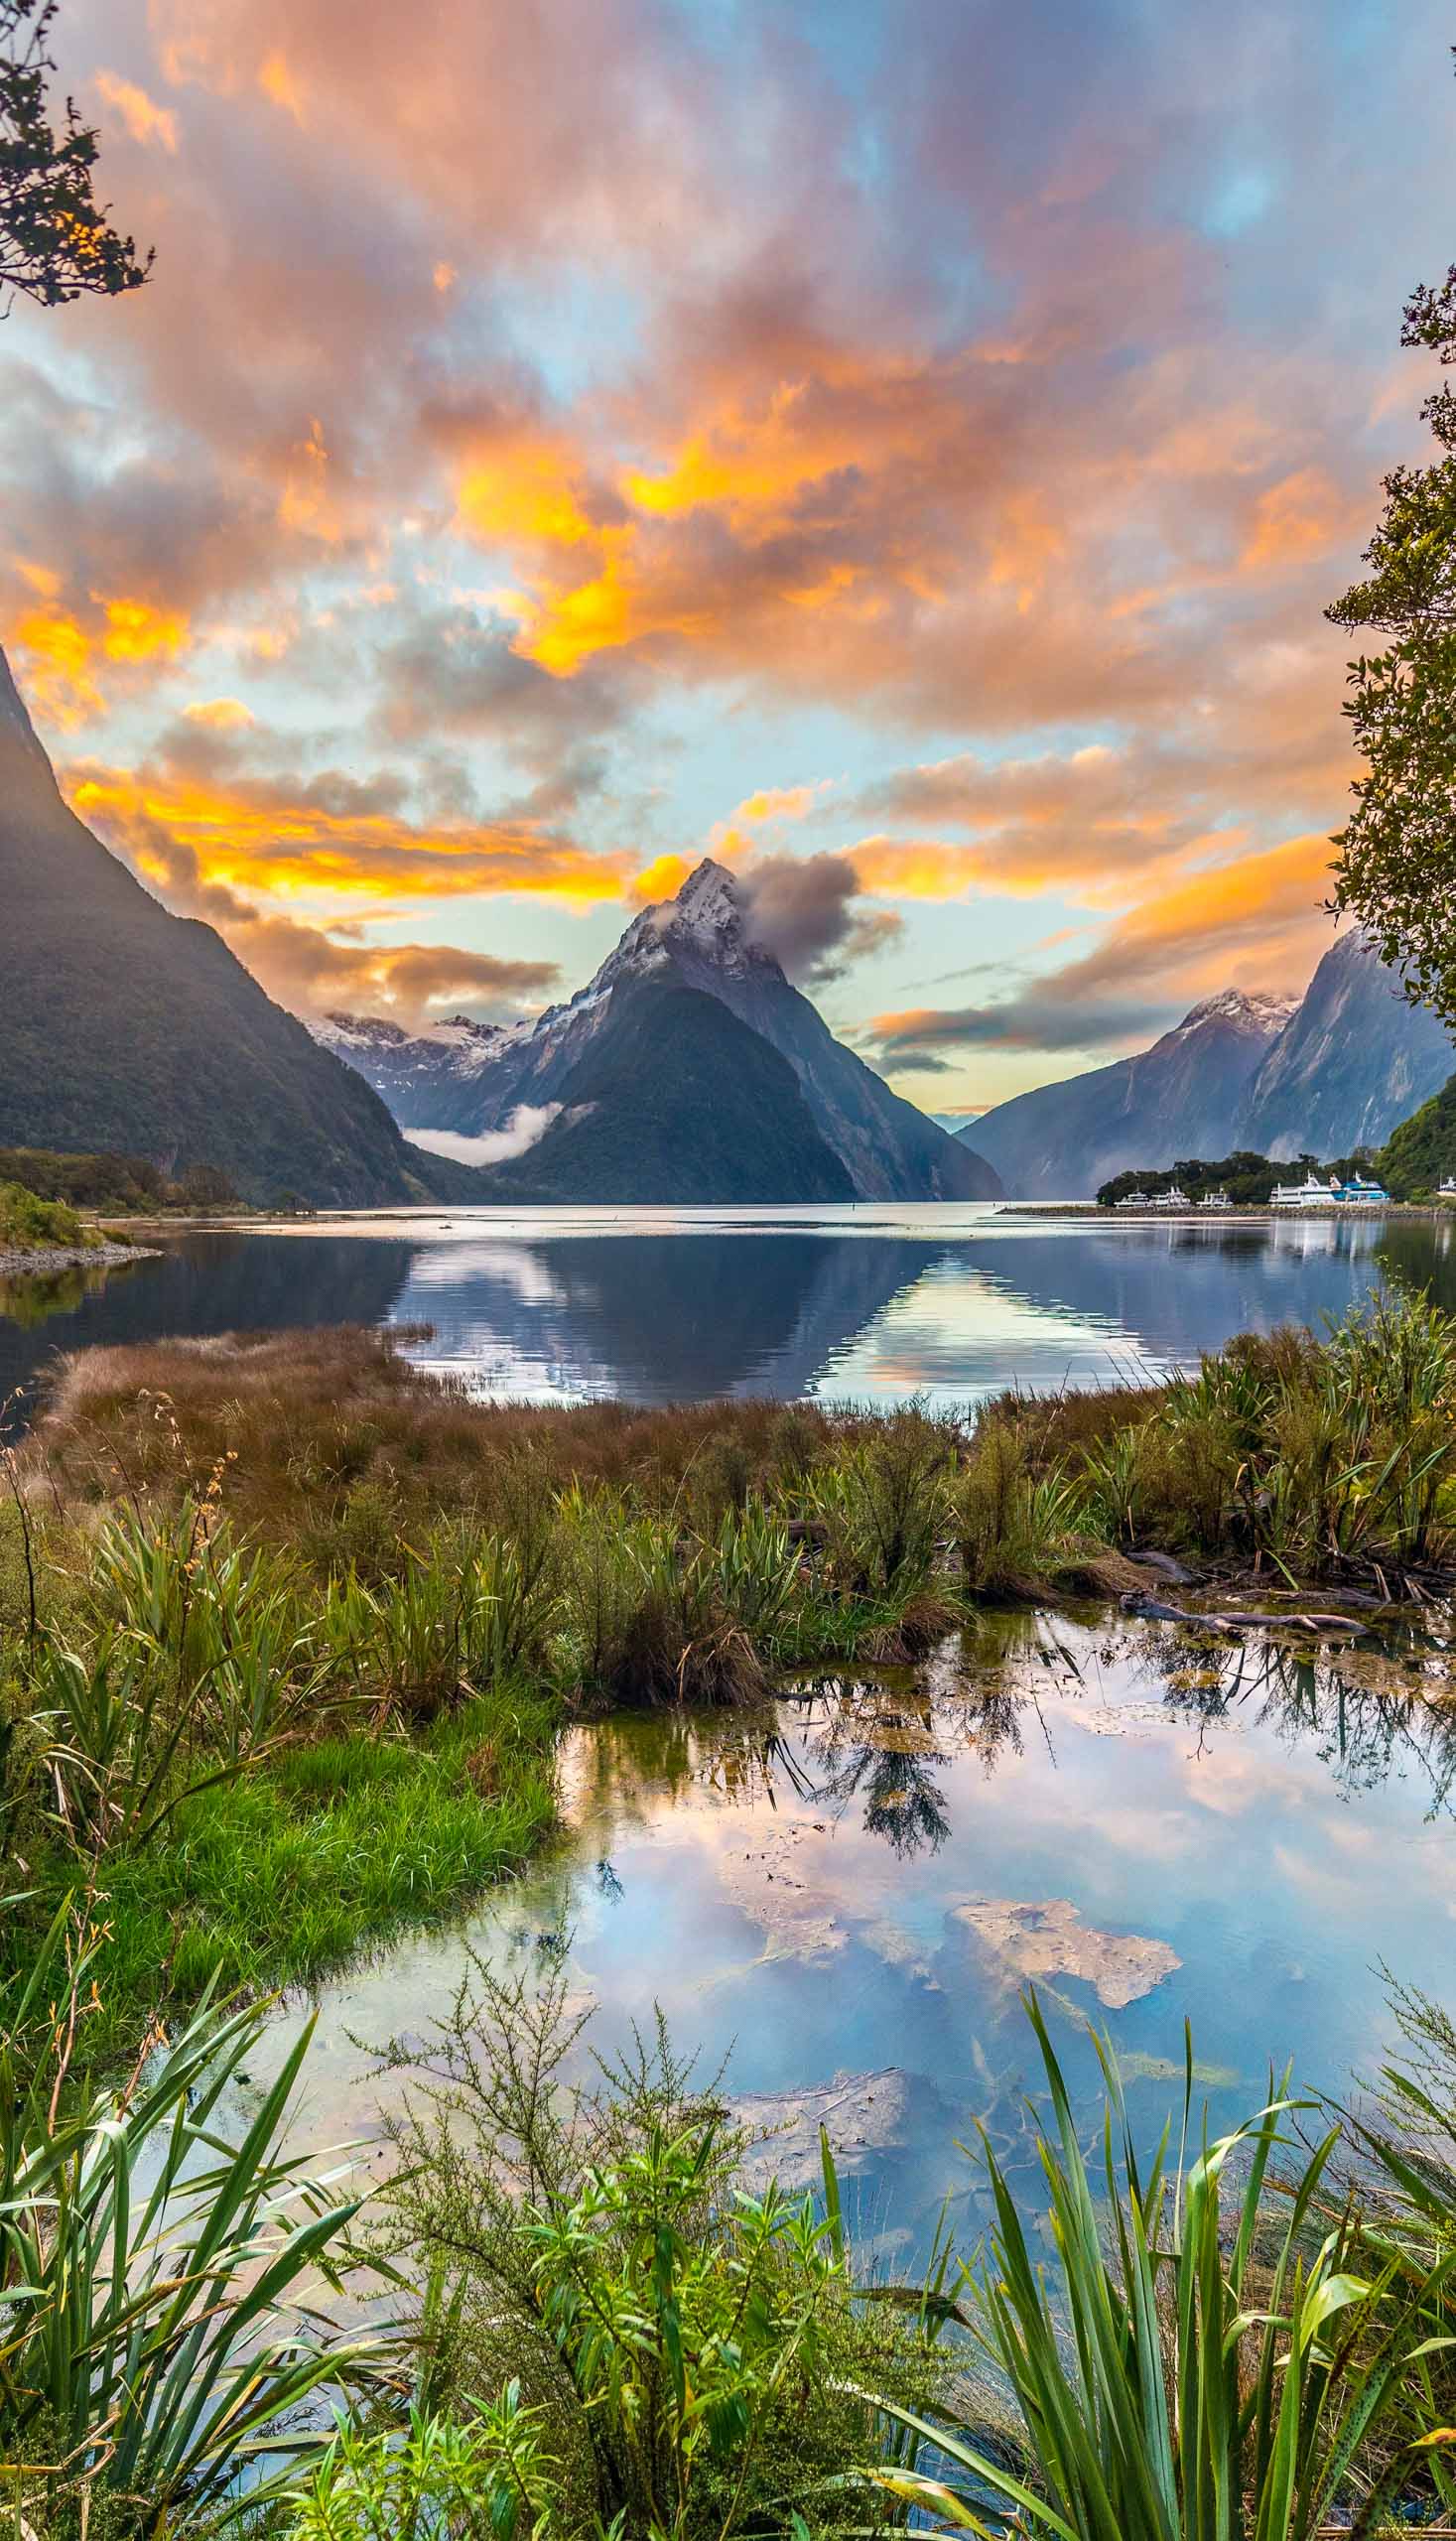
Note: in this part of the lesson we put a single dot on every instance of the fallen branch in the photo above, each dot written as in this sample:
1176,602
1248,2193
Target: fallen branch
1321,1624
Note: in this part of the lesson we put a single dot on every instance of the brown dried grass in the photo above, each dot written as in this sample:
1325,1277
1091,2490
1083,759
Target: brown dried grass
334,1441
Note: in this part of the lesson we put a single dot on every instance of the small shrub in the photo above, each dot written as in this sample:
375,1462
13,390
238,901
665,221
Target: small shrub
710,2331
883,1503
486,2472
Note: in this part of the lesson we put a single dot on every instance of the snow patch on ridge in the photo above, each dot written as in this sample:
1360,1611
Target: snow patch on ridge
1264,1014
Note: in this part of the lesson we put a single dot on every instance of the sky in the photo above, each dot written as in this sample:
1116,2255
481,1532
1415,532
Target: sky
902,447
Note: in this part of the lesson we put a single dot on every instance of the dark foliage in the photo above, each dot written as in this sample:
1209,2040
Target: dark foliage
1396,870
56,240
1421,1154
1248,1179
104,1181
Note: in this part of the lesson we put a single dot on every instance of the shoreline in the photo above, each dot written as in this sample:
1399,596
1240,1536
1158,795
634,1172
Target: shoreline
73,1257
1252,1213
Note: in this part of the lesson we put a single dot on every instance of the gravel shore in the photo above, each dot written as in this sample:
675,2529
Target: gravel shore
73,1257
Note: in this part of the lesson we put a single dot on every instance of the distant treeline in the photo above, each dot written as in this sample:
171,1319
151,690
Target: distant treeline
115,1182
1248,1179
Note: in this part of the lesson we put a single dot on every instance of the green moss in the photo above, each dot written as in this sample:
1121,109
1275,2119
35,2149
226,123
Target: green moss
275,1878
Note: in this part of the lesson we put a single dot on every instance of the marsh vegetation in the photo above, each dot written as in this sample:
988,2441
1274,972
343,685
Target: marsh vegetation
289,1631
289,1626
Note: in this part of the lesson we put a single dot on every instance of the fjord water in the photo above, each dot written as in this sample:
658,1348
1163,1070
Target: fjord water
865,1303
843,1894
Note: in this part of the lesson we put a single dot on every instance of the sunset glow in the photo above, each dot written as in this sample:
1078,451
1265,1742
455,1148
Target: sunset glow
603,433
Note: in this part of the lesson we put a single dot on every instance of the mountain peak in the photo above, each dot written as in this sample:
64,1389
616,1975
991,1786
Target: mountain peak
710,891
710,918
1261,1012
17,731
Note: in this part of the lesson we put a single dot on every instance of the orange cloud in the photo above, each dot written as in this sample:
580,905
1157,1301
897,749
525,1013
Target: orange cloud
264,839
1253,923
56,657
220,713
135,631
58,651
144,119
662,879
279,86
1303,515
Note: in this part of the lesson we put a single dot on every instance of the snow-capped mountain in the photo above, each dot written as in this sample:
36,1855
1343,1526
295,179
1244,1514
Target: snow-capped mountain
1355,1060
1184,1097
400,1064
1322,1074
473,1080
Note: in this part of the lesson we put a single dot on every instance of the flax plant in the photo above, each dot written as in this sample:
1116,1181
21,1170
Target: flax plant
1215,2372
161,2261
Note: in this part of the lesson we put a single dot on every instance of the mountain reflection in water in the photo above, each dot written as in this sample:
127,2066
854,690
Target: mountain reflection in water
955,1302
847,1890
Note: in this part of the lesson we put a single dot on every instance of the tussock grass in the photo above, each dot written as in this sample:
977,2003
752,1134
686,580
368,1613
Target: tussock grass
333,1430
290,1623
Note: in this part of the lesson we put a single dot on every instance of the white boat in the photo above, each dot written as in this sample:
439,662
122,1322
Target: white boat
1133,1200
1173,1199
1311,1193
1361,1195
1215,1200
1448,1189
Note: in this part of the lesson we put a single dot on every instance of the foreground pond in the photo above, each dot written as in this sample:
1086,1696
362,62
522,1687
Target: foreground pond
845,1893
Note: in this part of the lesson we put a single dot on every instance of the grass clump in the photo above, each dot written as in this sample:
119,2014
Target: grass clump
1313,1459
160,2267
246,1777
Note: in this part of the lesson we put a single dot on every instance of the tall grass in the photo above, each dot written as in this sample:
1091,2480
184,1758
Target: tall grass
1013,1526
162,2264
1218,2371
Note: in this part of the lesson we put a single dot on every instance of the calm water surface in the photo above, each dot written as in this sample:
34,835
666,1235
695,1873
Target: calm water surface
849,1891
843,1895
655,1304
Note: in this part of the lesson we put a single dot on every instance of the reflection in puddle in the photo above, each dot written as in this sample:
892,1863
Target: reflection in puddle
845,1891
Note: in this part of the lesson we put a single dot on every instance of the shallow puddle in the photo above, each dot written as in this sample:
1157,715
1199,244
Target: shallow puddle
846,1893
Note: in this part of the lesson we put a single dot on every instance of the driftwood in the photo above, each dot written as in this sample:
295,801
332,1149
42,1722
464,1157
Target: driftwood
1321,1624
1166,1566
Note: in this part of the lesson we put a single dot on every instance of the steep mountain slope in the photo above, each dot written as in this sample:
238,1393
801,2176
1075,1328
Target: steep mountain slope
1183,1097
124,1027
675,1101
1420,1153
471,1079
1353,1061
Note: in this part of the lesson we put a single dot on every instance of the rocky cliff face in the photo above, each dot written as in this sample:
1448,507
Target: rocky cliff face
122,1027
473,1080
1183,1097
1353,1061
